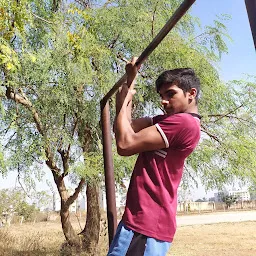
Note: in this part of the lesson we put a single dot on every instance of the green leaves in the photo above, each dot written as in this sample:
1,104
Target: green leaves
3,169
13,200
68,60
8,57
229,200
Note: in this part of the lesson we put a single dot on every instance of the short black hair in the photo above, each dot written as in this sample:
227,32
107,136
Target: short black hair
185,78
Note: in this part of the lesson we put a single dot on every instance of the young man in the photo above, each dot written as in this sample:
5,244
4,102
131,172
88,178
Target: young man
163,143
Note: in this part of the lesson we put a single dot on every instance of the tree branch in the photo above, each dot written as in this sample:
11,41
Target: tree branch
73,131
232,117
5,131
209,134
9,140
65,160
107,3
205,33
73,197
190,175
65,154
85,3
153,20
23,100
40,18
225,115
112,44
50,162
56,5
119,56
18,178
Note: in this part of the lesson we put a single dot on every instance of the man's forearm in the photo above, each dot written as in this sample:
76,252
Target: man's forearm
129,112
123,129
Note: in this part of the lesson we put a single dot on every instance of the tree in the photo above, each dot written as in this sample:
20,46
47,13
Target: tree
13,201
229,200
56,65
252,191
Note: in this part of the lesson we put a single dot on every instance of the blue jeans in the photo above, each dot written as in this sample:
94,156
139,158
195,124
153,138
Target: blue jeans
123,238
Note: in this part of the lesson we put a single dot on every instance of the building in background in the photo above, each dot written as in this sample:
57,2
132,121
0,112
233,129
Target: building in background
219,196
241,195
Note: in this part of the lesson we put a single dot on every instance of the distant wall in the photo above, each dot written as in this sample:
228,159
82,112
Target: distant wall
214,206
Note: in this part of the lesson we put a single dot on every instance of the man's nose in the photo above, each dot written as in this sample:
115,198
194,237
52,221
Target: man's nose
164,102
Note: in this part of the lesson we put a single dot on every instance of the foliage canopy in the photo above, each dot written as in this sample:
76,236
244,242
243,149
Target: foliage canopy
59,58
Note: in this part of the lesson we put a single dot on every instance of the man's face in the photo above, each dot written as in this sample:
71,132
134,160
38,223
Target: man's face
173,99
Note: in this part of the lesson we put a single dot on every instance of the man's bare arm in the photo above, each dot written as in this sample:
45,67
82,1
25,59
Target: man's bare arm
138,124
133,136
128,141
141,123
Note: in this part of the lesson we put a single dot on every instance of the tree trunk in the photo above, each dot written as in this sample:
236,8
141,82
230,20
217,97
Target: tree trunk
92,228
69,233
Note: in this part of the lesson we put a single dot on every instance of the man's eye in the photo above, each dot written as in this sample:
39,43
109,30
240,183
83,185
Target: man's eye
170,94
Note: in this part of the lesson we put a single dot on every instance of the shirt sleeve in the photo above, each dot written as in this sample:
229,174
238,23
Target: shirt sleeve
176,130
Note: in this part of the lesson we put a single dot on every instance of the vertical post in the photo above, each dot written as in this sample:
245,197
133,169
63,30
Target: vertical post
109,170
251,11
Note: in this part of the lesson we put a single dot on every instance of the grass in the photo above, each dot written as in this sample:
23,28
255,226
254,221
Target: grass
46,238
28,239
232,239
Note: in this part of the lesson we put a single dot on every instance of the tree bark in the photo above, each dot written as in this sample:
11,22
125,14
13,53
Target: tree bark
56,5
92,228
69,233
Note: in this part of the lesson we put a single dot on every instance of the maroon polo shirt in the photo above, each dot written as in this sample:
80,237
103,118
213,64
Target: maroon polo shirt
151,203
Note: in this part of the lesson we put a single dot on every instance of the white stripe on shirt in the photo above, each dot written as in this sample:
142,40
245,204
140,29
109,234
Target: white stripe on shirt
163,135
159,153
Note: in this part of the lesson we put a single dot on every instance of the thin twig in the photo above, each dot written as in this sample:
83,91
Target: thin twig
18,177
199,36
5,131
230,112
232,117
190,175
107,3
209,134
78,219
9,140
127,61
112,44
40,18
153,20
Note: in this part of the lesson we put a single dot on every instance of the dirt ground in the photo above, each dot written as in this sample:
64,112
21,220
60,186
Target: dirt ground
45,238
229,239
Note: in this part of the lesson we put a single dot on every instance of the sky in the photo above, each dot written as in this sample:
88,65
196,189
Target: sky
240,60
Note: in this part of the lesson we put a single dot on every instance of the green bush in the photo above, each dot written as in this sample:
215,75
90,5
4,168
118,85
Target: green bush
26,210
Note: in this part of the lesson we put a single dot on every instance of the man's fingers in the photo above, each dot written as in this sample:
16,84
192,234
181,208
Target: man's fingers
134,59
123,89
132,91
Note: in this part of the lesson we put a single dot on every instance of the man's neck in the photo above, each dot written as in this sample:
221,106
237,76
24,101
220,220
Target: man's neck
192,109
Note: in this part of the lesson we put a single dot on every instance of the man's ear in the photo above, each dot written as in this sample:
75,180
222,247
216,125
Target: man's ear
192,93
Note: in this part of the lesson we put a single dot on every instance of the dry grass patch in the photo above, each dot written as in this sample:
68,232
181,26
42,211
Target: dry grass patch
46,239
232,239
28,239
